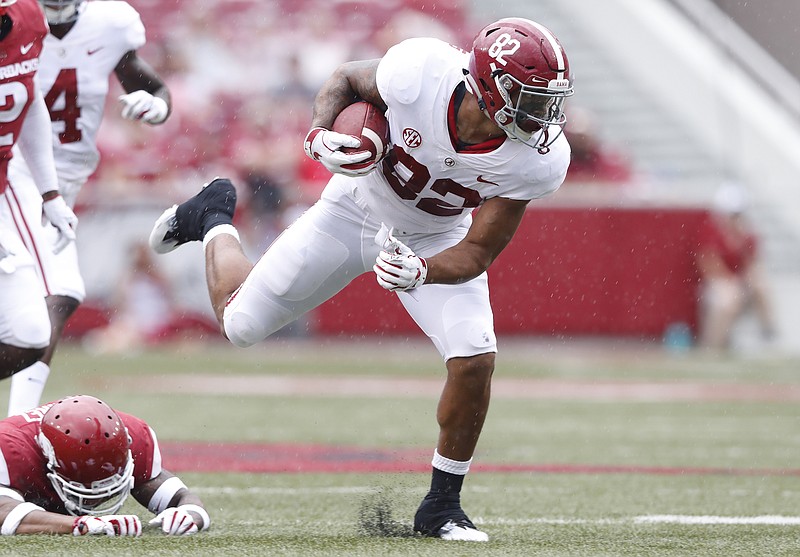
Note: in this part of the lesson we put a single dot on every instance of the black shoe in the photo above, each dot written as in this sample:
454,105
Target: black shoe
441,516
189,221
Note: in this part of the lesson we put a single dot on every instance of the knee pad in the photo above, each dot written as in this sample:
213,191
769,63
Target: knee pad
242,329
468,327
29,329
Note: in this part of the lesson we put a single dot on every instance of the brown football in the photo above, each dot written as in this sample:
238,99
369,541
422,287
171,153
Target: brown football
366,122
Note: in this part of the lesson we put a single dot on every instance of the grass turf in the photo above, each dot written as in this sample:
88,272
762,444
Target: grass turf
623,513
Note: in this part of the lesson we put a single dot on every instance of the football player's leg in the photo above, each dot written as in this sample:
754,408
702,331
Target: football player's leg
24,323
227,267
61,278
309,263
458,319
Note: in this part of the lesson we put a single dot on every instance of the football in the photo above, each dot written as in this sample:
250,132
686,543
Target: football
366,122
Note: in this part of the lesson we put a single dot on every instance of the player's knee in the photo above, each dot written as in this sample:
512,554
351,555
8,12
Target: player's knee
478,368
30,330
469,338
242,329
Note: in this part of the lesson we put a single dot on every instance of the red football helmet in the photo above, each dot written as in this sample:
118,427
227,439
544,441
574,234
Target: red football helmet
88,454
520,74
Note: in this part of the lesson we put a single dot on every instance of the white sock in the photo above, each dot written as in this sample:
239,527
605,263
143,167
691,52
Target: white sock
220,229
27,387
459,467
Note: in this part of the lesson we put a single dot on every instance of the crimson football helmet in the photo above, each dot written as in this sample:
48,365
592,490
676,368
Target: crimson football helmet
520,74
61,11
88,454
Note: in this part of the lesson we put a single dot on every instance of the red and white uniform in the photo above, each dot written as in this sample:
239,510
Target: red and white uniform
23,118
74,78
23,466
426,189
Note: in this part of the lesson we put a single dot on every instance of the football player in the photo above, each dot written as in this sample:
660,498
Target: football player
67,467
470,129
24,323
88,41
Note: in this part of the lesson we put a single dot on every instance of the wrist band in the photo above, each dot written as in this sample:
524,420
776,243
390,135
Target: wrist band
199,510
164,494
13,518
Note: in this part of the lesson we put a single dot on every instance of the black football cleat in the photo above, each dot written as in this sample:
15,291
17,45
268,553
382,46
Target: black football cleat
189,221
441,516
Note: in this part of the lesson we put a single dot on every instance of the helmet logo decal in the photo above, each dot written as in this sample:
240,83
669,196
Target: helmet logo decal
412,137
502,46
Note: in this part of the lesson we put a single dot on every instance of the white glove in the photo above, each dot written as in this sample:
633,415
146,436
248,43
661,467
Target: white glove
7,264
175,521
397,267
111,525
61,216
141,105
323,145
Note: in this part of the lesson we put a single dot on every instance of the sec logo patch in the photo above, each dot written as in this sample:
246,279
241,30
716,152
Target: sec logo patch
412,138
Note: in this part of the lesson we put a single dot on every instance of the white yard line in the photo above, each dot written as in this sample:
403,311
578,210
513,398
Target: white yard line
508,388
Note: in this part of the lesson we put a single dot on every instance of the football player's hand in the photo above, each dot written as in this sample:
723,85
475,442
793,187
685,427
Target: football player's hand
111,525
176,521
324,146
61,216
397,267
141,105
6,261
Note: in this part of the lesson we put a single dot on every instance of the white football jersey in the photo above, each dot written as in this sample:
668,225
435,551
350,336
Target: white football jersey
74,78
425,184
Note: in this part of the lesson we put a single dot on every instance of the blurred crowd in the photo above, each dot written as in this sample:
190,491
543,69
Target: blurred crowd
243,75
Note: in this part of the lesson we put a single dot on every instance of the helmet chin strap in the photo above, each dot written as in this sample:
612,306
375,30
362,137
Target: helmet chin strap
472,87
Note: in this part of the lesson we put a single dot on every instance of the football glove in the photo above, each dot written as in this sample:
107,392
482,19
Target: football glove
175,521
61,216
141,105
6,264
111,525
324,146
397,267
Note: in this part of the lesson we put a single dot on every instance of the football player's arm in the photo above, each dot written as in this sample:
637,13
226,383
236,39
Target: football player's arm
178,511
492,229
36,145
19,517
710,264
147,97
349,83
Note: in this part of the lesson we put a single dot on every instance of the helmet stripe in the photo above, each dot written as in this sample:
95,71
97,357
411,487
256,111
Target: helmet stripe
554,44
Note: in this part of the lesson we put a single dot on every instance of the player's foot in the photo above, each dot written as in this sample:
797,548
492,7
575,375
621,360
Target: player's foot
441,516
190,220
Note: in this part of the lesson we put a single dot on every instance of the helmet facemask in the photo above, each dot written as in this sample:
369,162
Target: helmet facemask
59,12
101,497
530,111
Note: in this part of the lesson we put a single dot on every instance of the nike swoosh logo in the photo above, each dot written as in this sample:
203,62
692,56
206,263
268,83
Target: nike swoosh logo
92,51
483,181
25,48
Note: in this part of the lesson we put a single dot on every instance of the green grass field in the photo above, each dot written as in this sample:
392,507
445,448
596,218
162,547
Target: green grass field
628,450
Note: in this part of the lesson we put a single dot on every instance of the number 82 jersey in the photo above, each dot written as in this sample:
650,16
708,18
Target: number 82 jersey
429,182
